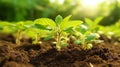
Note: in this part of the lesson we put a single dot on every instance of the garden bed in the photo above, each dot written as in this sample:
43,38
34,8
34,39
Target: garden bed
105,54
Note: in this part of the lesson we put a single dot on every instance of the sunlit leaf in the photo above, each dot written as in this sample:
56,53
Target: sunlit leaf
6,24
28,24
45,22
20,25
69,30
82,29
65,20
88,21
92,36
48,37
89,46
1,28
41,27
68,24
58,20
32,32
98,19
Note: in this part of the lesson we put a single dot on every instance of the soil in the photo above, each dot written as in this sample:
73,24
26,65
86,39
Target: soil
105,54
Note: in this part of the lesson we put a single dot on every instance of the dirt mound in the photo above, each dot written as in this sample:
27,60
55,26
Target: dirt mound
35,56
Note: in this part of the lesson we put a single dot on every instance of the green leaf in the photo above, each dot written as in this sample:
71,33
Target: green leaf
92,36
65,20
65,25
28,24
64,44
97,20
45,22
58,20
5,23
48,37
1,28
89,46
41,27
69,30
82,29
88,21
32,32
20,25
76,42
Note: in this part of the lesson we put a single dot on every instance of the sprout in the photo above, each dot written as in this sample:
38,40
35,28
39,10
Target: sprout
59,27
85,37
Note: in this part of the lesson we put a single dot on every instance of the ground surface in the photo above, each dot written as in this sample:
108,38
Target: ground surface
105,54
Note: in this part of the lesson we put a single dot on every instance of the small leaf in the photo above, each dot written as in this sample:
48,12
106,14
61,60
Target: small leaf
48,37
69,24
88,21
58,20
89,46
45,22
28,24
20,25
97,20
31,34
1,28
82,29
92,36
64,44
76,42
40,27
5,23
65,20
69,30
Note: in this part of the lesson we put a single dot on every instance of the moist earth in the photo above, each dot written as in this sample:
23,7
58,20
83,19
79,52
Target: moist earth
105,54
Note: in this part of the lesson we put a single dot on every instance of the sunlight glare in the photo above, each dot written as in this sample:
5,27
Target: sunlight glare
52,1
91,3
57,1
60,1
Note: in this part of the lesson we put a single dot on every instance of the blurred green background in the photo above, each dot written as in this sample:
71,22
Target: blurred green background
20,10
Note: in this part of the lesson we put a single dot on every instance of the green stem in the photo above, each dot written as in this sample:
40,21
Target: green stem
58,39
18,37
36,39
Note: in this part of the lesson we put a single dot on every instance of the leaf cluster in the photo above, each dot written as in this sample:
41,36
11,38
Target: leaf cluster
61,29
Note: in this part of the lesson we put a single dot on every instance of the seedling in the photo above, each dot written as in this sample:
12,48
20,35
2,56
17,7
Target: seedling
93,25
36,34
3,25
58,27
85,37
112,30
17,28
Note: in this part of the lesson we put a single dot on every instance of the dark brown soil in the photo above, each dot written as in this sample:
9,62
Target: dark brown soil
28,55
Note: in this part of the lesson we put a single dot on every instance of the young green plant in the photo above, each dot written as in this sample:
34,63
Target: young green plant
36,33
85,37
93,25
18,28
58,27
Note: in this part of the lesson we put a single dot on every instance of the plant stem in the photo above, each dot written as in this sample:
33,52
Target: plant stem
18,37
36,38
58,39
